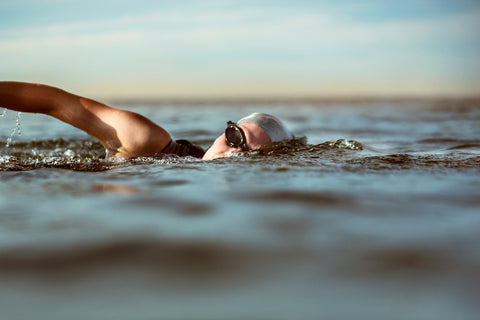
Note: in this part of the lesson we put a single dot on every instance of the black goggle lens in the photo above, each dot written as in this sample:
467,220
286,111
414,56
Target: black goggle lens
234,136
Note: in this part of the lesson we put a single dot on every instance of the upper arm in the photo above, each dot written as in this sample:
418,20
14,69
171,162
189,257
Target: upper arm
125,134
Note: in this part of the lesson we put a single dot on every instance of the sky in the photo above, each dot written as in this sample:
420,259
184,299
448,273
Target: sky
244,48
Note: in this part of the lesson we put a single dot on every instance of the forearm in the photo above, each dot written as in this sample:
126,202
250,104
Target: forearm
29,97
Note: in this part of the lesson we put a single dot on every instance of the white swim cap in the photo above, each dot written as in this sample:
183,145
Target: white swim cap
272,126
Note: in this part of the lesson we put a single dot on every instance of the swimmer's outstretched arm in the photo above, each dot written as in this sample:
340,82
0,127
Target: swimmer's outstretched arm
123,133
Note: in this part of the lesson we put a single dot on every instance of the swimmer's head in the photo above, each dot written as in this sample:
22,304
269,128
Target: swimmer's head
271,125
259,130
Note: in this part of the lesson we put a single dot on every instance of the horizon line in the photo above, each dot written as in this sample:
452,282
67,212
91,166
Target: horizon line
325,99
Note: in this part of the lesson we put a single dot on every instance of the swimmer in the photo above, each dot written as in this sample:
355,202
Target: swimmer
126,134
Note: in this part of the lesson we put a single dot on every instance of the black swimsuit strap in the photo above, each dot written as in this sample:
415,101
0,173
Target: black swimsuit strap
183,148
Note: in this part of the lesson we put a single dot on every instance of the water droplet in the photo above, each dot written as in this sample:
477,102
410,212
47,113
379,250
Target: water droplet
69,153
15,130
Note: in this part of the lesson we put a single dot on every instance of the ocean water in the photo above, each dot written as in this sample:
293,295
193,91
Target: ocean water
377,216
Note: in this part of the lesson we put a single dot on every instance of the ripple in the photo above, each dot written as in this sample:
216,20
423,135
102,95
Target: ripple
465,146
299,197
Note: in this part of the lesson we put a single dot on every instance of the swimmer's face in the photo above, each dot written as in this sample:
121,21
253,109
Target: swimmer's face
256,139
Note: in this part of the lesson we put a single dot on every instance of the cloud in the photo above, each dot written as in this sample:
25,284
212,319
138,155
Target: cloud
271,44
246,27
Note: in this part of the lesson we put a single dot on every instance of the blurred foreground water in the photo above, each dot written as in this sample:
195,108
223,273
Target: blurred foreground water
376,217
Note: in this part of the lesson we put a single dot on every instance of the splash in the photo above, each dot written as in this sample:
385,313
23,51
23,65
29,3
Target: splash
16,130
342,144
72,154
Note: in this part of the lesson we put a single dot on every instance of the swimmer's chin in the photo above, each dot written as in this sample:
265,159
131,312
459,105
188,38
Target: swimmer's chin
209,155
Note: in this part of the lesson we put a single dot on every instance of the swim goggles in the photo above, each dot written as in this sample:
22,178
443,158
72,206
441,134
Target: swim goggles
235,136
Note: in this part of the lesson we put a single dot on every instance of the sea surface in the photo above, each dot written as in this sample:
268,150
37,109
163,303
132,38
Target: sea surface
374,213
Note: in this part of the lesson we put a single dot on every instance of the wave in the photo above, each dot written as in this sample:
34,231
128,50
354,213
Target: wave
137,251
451,143
299,145
207,261
69,148
466,146
408,161
74,154
88,155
